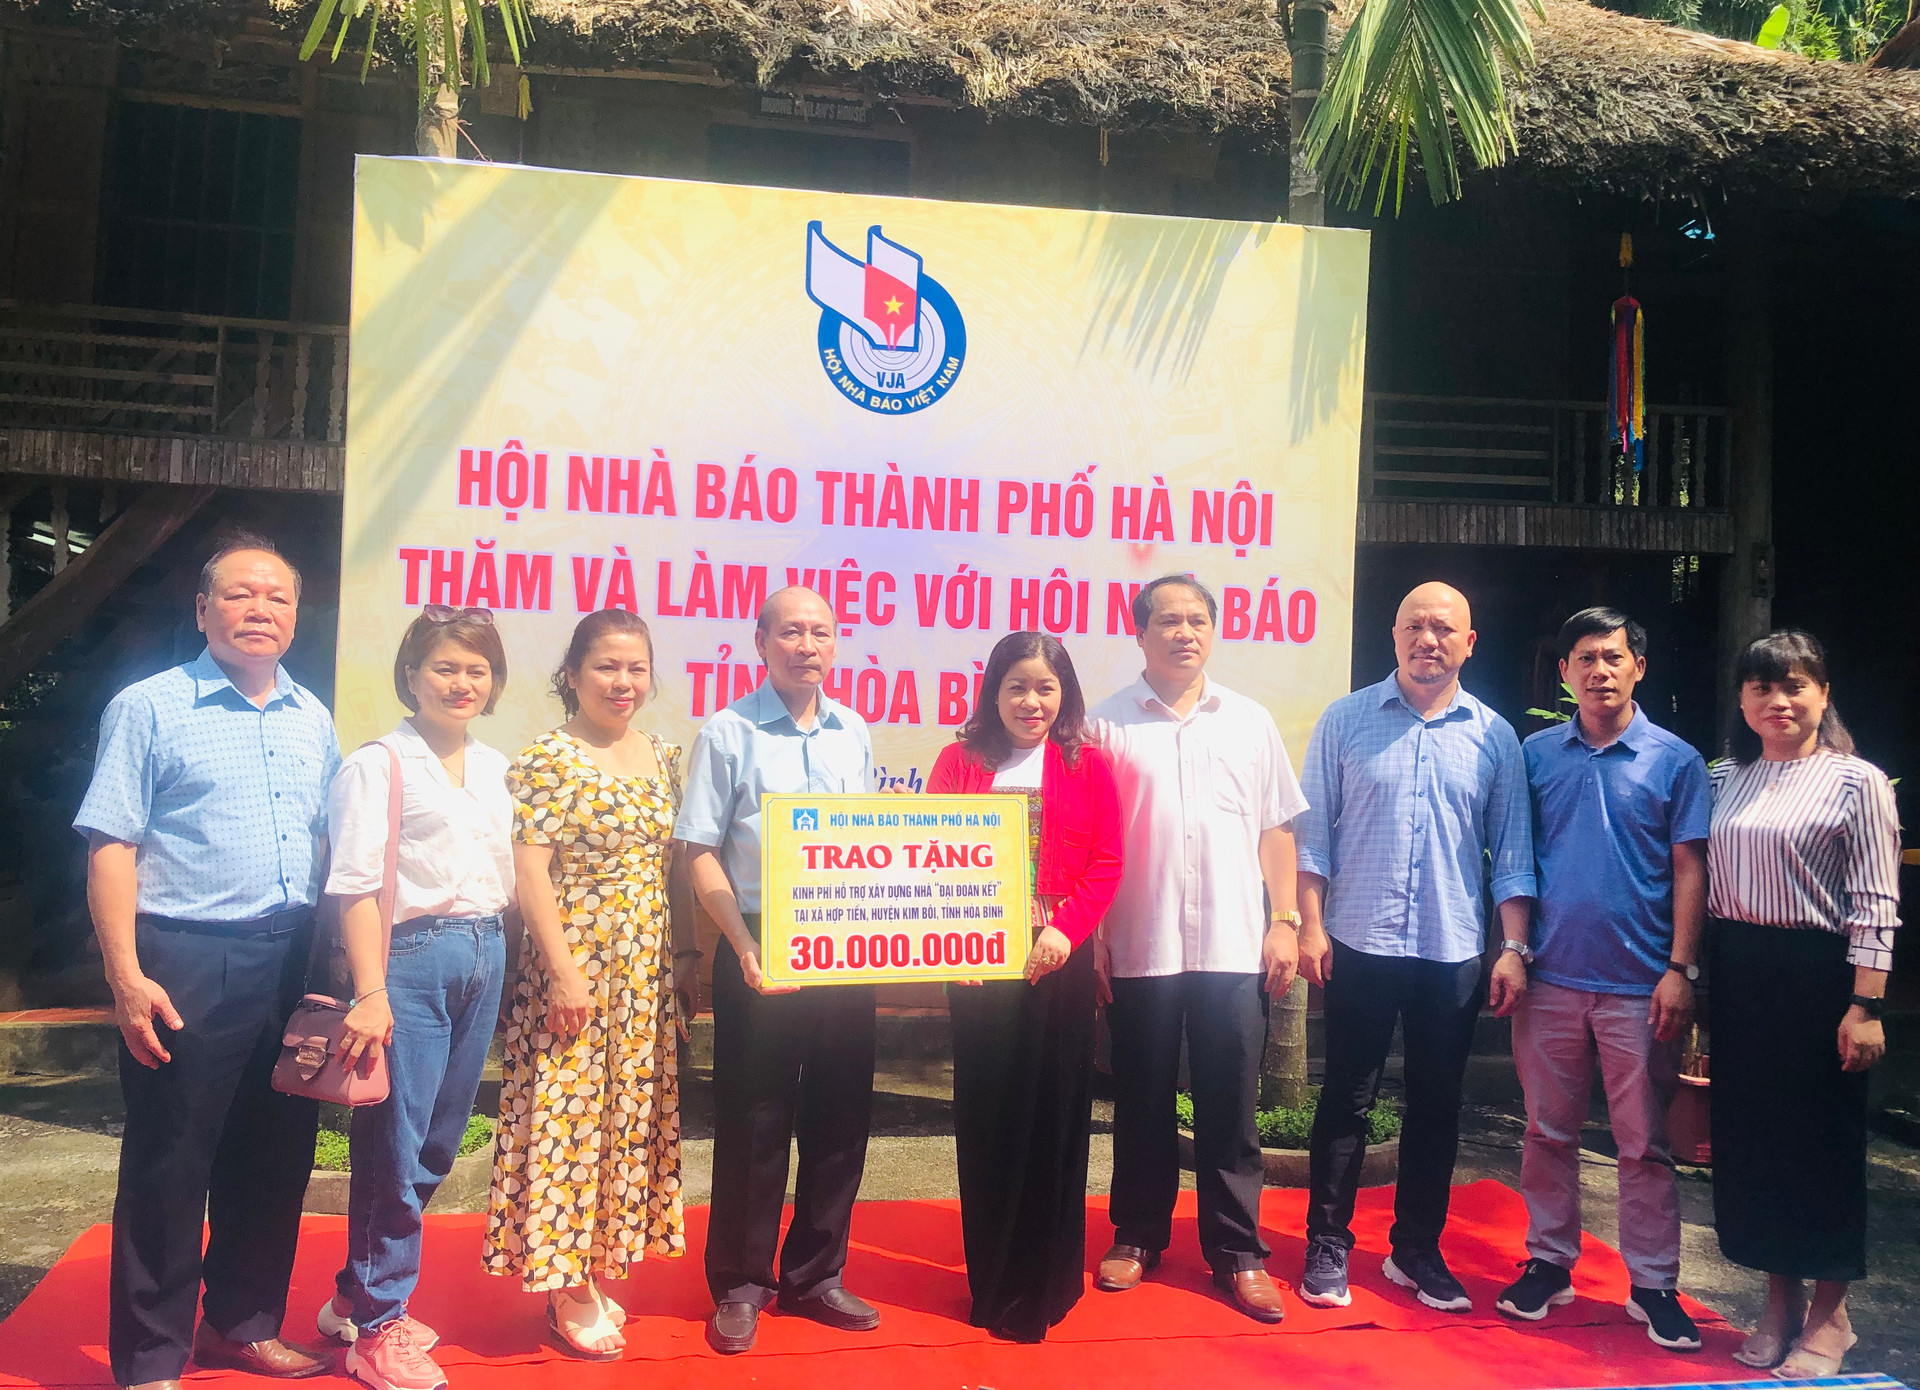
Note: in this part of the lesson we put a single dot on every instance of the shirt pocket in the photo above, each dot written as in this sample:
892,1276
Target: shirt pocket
1235,784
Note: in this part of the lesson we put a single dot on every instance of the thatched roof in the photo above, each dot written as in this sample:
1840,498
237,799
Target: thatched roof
1615,103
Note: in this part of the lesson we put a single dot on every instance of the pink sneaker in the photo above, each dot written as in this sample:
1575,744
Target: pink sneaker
336,1324
394,1359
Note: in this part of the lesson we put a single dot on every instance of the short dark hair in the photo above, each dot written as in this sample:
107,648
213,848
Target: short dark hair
985,734
1600,622
424,636
1143,601
232,544
1773,658
586,632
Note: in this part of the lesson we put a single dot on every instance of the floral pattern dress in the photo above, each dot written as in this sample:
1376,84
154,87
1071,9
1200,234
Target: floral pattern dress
586,1167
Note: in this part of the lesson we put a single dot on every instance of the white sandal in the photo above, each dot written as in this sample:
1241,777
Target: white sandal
615,1313
568,1334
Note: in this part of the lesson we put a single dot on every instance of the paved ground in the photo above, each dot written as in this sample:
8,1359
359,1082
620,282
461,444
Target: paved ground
59,1143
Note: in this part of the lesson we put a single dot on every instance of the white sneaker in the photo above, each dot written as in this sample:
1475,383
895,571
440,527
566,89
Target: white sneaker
339,1327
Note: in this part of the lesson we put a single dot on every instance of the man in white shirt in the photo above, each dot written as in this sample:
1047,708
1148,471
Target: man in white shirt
1189,946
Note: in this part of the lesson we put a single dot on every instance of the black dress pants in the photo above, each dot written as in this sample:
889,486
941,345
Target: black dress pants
786,1067
1436,1005
1224,1018
208,1139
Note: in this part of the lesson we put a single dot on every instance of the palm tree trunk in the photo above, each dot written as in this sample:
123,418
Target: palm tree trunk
1283,1070
1307,47
437,133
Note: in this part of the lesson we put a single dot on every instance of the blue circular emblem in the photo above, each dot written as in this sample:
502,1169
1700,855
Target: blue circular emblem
897,381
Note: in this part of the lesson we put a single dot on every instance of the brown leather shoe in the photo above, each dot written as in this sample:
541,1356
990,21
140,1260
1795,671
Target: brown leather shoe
154,1385
1253,1292
281,1360
1123,1267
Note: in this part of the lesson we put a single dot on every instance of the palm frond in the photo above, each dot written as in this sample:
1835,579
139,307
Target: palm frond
1406,70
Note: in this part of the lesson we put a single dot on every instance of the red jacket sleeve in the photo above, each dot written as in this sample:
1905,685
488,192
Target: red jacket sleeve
1087,902
952,772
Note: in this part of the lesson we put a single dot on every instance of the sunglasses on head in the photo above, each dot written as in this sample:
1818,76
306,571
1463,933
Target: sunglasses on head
443,613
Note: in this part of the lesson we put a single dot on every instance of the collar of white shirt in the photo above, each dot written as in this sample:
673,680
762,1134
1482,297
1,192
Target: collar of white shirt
1143,695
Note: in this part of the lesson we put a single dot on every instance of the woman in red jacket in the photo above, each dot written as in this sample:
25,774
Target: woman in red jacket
1023,1049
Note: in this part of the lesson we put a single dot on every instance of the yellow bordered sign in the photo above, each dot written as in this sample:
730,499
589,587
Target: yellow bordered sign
883,889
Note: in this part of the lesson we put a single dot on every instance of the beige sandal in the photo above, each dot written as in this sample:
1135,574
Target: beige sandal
1763,1353
1803,1363
615,1313
568,1334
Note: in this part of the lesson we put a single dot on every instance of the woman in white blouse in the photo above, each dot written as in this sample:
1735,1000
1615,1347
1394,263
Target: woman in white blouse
1802,860
427,986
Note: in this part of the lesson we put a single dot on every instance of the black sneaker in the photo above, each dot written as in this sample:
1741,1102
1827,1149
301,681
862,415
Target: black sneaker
1667,1322
1323,1282
1541,1285
1427,1274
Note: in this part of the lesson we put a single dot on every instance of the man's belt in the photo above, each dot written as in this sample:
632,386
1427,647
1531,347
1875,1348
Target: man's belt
288,919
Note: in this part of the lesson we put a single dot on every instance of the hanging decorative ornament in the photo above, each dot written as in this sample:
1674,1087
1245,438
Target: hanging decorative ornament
1627,377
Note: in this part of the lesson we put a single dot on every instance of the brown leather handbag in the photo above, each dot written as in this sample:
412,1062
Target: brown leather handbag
309,1062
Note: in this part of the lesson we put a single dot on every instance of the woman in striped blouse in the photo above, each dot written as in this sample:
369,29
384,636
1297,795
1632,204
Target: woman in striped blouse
1803,864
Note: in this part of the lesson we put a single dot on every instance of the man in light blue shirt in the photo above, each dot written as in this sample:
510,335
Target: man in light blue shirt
785,1062
1411,784
206,826
1620,818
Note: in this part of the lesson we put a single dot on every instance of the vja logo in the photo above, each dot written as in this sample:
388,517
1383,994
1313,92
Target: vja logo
891,338
806,818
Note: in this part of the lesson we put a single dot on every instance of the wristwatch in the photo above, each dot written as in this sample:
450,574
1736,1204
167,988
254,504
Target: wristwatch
1687,968
1520,949
1872,1005
1292,919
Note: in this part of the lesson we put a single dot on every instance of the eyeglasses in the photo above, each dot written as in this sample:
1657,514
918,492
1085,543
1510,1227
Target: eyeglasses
442,613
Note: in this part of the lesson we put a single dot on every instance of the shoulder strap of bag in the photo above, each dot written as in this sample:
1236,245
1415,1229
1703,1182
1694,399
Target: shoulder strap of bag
390,871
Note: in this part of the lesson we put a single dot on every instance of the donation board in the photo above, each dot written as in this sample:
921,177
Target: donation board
893,889
572,391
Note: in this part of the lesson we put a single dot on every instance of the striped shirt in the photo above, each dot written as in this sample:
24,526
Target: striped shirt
1813,842
1412,820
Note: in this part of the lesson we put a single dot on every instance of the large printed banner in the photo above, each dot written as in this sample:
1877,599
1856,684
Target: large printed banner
571,391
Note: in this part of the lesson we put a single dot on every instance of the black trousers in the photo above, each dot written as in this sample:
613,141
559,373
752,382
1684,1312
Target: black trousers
208,1139
1789,1126
1436,1005
1022,1112
1224,1018
786,1067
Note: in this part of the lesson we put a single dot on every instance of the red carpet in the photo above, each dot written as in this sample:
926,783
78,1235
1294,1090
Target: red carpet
1172,1331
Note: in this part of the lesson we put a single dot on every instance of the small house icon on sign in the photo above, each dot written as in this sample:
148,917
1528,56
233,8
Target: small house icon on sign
806,818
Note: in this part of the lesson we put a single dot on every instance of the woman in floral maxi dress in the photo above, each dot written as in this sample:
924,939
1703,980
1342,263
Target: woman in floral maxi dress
586,1174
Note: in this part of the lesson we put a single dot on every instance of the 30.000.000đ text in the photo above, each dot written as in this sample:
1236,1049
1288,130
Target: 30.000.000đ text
897,951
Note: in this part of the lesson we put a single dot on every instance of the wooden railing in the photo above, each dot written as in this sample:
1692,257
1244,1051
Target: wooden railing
1480,448
140,371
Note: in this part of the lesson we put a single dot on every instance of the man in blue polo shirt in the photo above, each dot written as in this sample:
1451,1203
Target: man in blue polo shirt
1620,811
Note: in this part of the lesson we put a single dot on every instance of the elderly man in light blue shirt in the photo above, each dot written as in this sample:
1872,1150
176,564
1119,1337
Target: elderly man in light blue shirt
206,826
786,1063
1412,784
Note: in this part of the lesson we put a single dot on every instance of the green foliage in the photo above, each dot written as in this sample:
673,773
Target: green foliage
1556,715
1405,73
330,1145
429,29
330,1151
1844,30
1290,1127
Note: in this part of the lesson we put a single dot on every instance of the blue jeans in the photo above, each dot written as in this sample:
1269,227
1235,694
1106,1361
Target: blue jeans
443,985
